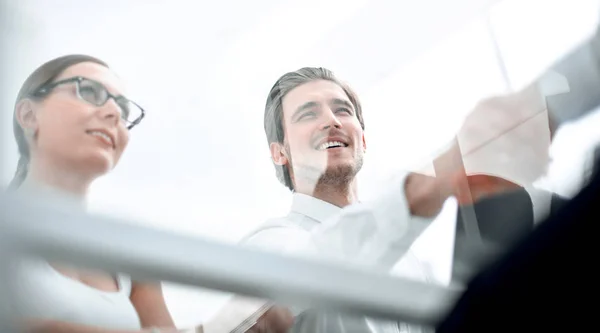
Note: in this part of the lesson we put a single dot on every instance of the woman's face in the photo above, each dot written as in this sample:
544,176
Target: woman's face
74,134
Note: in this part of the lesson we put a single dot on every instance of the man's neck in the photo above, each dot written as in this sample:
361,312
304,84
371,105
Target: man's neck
341,195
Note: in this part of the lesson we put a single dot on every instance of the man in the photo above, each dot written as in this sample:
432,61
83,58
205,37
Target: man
314,126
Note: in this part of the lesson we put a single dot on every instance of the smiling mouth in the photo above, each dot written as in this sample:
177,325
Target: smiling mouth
331,145
103,137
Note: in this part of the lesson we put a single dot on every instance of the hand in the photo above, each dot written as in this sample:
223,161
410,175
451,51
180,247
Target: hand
276,320
507,136
425,195
503,144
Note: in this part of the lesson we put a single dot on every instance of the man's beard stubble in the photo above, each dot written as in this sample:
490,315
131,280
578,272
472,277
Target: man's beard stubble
339,176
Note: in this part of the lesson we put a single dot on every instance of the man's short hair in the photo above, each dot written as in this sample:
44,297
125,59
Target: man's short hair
273,121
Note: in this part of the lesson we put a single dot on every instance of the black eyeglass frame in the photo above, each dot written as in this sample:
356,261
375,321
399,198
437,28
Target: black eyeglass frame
46,89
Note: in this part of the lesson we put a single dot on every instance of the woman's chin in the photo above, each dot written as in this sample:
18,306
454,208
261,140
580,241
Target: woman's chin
98,165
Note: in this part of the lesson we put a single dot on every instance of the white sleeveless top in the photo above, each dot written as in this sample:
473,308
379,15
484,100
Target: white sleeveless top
41,292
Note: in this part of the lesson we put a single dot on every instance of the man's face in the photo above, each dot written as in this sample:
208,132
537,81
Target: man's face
324,140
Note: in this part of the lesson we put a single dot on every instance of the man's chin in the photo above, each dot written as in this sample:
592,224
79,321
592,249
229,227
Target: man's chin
339,167
336,170
345,171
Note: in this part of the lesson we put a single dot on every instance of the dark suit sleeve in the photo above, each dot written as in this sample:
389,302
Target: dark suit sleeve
501,219
543,283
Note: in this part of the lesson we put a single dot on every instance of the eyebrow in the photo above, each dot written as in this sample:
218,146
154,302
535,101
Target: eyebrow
118,95
337,101
304,107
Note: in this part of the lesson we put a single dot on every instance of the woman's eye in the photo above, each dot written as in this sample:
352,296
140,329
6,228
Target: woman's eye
89,93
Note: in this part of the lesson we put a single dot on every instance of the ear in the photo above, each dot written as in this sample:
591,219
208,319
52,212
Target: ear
26,116
278,154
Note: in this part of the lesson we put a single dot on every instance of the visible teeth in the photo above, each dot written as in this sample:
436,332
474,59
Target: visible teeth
102,135
331,144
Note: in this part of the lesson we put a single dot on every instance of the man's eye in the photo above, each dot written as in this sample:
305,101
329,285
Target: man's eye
306,115
346,110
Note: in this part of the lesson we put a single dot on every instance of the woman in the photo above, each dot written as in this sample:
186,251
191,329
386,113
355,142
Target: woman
72,124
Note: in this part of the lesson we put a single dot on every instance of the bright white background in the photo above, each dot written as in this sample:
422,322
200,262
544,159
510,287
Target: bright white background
199,161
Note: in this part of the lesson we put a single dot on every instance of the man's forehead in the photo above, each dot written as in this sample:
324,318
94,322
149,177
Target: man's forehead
314,91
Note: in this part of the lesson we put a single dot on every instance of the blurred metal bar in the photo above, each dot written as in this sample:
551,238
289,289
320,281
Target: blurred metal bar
40,228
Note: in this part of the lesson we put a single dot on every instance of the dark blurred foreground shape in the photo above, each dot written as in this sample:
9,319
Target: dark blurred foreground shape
502,220
543,282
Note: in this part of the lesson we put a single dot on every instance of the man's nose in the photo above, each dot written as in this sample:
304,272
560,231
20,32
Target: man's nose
330,120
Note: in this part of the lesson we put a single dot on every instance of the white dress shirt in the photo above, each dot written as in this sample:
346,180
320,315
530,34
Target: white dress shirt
367,233
377,235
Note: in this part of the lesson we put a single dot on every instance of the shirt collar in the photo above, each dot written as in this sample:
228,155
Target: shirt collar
312,207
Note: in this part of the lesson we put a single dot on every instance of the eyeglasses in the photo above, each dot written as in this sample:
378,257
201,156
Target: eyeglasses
96,93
